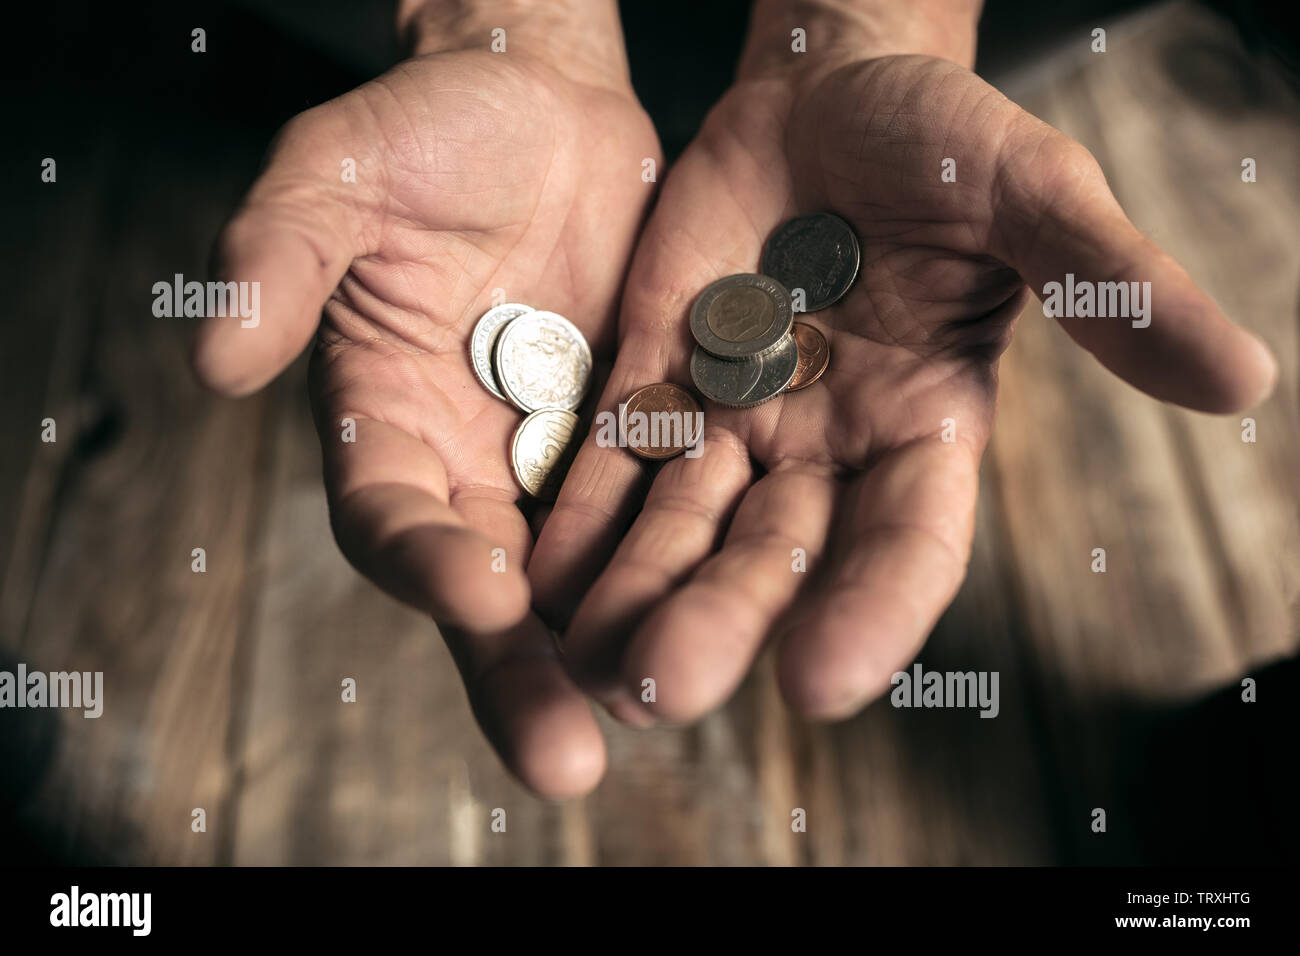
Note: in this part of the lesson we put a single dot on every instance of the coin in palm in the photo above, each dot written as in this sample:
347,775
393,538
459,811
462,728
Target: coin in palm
660,421
741,316
542,449
542,360
483,341
817,253
814,356
745,382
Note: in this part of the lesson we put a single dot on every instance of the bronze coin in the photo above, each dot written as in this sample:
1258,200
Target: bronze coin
660,421
741,314
814,356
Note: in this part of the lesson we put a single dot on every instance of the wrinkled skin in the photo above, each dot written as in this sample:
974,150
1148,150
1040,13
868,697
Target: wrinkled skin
474,173
852,470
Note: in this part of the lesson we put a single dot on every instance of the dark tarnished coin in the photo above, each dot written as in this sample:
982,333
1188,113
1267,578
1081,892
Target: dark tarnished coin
542,449
814,356
817,253
483,341
660,421
741,315
741,383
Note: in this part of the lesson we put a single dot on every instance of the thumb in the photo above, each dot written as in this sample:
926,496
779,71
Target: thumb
1059,223
292,240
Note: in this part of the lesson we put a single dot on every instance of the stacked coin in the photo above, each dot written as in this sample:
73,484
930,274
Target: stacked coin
540,363
749,349
744,352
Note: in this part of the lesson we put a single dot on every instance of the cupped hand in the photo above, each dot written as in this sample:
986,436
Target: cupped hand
479,178
871,473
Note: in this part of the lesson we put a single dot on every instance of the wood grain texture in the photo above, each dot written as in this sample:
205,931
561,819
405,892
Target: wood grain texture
402,775
1200,528
113,590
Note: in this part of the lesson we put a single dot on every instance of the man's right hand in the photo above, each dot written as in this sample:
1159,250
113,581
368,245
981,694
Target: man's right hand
475,171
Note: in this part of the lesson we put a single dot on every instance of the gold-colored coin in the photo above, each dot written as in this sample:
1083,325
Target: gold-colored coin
542,450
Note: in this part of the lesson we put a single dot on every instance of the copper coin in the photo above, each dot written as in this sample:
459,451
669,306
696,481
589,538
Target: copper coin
814,356
660,421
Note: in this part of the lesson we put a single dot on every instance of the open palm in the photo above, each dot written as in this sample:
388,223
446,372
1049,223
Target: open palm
478,178
870,475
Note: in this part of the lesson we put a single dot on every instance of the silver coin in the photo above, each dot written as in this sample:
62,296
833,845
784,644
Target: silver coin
741,316
543,361
483,341
817,253
742,383
542,449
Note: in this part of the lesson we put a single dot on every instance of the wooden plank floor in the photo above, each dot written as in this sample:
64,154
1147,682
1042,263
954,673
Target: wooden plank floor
223,687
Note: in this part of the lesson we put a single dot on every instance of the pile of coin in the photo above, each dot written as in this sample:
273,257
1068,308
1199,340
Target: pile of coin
749,349
540,363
